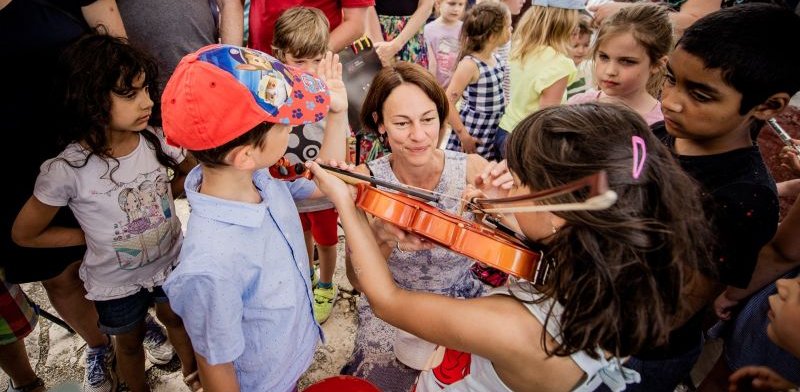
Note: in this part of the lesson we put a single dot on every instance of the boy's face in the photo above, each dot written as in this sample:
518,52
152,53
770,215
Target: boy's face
579,47
452,10
307,64
784,315
699,105
277,140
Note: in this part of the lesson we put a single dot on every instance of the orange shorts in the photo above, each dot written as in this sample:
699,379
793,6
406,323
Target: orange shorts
322,225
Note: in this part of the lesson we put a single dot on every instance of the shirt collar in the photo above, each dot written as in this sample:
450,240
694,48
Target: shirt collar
227,211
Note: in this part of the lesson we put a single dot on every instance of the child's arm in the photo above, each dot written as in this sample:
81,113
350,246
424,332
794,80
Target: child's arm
334,141
231,22
32,228
179,177
106,13
351,28
758,378
431,58
778,257
387,50
455,323
466,73
220,377
790,188
552,96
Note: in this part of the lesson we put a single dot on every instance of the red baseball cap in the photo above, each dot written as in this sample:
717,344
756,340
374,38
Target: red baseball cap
219,92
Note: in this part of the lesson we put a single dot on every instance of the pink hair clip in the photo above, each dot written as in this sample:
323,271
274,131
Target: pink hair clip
638,164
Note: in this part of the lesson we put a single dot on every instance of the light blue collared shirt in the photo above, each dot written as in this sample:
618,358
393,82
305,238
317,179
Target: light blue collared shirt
242,286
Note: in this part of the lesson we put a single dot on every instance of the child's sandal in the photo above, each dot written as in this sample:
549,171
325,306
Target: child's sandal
193,381
37,384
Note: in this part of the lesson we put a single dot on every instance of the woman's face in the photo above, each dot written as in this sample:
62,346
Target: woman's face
411,123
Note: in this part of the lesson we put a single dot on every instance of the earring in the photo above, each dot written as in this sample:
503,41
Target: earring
555,229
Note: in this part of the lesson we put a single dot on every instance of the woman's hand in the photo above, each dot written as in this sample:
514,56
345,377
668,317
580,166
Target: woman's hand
757,378
387,233
330,71
495,180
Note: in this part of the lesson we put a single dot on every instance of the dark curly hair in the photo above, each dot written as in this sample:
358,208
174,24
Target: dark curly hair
89,71
622,273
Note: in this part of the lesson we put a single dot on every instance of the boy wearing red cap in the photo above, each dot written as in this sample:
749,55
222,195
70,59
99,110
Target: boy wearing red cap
242,287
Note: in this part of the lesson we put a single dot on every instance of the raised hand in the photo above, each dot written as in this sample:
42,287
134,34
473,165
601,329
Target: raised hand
495,180
330,70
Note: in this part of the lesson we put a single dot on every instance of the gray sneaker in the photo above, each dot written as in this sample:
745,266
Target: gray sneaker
157,348
99,375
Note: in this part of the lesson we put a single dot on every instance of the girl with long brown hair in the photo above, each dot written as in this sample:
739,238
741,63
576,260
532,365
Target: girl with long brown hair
619,275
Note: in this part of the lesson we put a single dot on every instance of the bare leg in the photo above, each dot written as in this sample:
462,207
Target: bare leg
14,362
327,262
309,247
178,337
68,297
130,358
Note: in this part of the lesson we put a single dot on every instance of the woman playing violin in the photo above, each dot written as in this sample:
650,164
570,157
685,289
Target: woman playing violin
406,106
620,274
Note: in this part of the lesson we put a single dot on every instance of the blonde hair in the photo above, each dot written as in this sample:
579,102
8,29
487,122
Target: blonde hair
302,32
650,26
543,26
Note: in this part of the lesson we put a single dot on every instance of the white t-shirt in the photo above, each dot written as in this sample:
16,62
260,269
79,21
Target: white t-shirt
133,235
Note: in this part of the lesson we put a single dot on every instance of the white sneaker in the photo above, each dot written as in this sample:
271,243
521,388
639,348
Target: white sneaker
99,373
157,348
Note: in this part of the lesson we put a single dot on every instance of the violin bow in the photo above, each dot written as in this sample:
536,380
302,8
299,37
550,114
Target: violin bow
599,198
348,176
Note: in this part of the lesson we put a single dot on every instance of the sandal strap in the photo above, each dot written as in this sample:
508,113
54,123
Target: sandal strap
38,383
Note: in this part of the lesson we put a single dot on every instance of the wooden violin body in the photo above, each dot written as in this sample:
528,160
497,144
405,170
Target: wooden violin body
453,232
481,242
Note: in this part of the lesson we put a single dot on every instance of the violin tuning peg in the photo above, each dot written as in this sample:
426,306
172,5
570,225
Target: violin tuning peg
283,170
299,168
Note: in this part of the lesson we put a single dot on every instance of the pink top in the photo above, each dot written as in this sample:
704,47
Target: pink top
651,117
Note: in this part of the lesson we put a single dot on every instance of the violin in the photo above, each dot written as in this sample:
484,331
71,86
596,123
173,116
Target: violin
408,208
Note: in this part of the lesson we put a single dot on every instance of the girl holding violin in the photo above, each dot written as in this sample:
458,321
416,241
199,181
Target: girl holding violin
619,278
406,106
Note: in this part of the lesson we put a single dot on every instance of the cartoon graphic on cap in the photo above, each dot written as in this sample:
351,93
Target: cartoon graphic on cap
253,62
272,90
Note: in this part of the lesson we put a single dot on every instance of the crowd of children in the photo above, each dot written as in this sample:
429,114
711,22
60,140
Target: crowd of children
623,295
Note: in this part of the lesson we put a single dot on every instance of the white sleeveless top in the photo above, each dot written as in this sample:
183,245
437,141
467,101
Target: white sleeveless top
451,370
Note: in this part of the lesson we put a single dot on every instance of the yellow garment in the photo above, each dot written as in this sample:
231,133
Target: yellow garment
529,78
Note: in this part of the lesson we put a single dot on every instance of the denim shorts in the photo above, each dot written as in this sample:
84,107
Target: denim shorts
122,315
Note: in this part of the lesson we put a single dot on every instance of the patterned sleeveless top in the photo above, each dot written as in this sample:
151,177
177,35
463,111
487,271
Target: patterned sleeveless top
437,269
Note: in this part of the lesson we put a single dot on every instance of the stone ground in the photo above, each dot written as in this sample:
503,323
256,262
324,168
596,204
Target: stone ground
57,356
